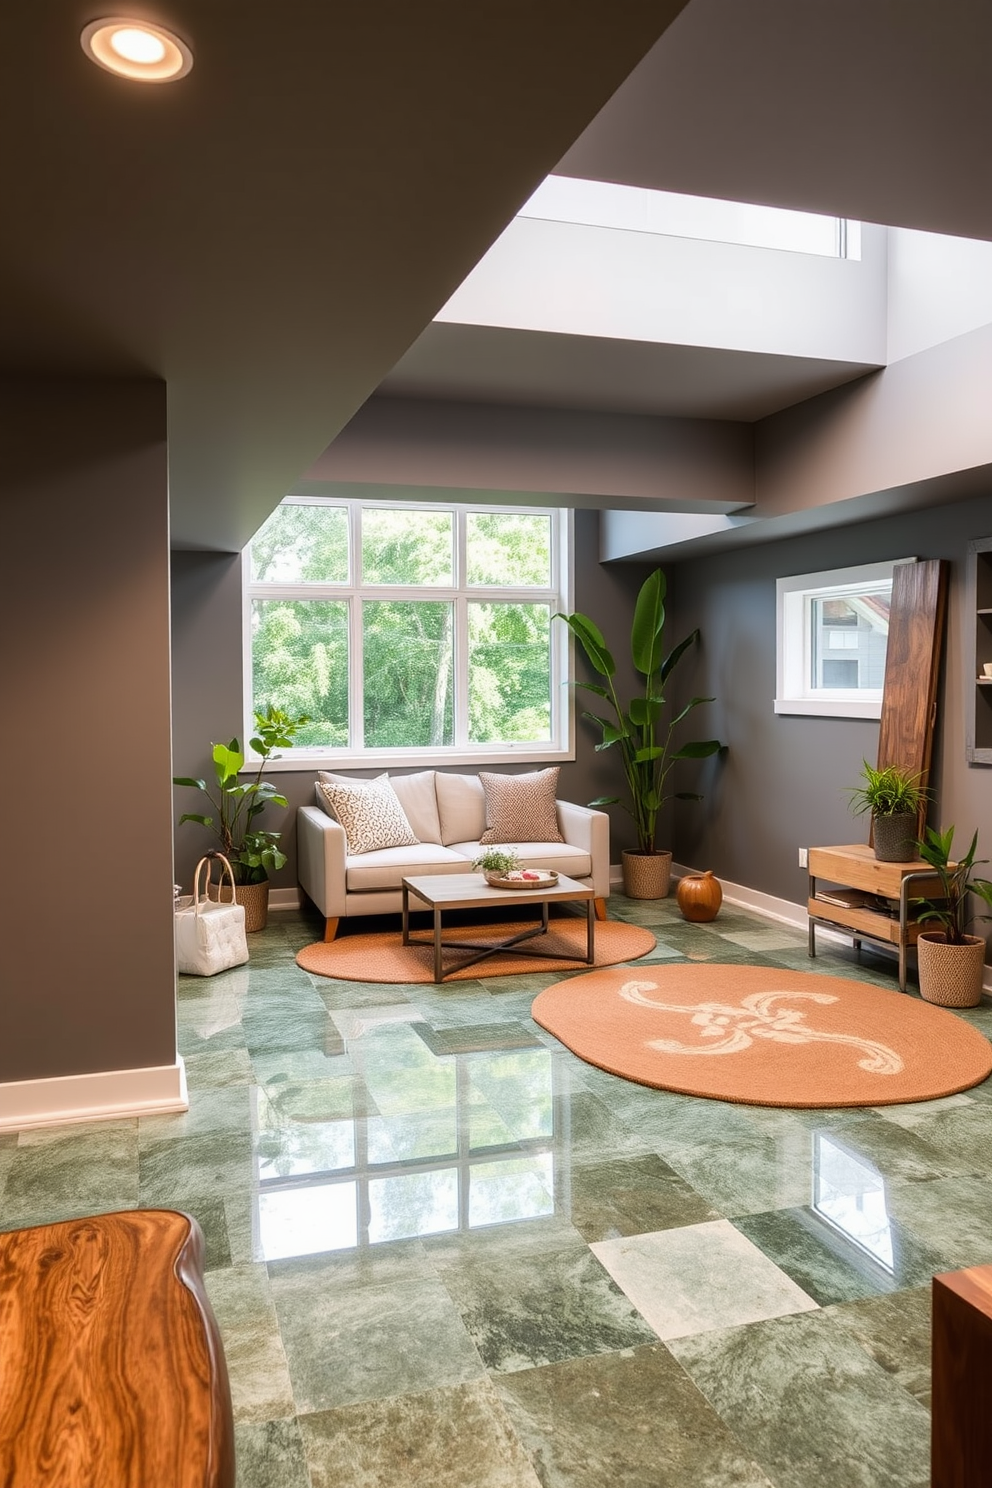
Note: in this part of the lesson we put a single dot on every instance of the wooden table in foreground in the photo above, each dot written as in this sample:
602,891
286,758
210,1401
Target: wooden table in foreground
470,891
961,1451
112,1373
856,867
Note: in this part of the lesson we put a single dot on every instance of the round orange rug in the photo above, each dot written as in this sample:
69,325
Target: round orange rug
383,957
764,1037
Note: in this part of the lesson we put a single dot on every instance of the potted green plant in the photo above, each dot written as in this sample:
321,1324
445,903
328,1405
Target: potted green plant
951,962
497,862
640,732
252,851
894,798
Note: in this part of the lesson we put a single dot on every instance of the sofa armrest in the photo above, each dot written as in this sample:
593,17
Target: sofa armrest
320,863
589,830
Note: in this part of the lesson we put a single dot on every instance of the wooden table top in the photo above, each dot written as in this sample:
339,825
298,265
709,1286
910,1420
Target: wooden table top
470,891
112,1373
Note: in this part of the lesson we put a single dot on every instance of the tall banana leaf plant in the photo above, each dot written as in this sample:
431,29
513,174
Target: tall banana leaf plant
639,730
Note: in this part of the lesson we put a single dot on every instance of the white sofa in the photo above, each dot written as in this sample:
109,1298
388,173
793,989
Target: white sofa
447,812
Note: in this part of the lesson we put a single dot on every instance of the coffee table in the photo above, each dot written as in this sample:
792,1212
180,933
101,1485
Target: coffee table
470,891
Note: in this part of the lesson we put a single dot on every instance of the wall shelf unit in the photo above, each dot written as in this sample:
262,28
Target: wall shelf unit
978,693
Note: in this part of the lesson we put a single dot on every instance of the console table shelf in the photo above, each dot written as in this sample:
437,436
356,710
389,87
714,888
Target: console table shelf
855,868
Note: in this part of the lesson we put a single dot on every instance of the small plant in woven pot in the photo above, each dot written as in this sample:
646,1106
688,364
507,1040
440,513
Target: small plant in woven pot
951,961
894,797
251,850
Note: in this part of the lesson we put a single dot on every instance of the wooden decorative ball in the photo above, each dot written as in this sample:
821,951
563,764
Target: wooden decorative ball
699,896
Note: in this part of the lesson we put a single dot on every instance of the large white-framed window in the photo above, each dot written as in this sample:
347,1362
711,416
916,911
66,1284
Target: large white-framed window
832,631
411,632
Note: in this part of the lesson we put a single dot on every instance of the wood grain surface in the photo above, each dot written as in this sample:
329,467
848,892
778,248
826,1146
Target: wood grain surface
112,1372
961,1453
912,666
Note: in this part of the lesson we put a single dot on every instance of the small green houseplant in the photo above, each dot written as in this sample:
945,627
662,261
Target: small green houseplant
252,851
895,798
639,730
951,962
497,860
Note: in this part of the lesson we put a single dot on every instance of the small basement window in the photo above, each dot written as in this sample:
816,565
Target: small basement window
832,632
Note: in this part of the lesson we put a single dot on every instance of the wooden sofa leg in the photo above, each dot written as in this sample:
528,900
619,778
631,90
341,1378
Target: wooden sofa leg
330,930
599,905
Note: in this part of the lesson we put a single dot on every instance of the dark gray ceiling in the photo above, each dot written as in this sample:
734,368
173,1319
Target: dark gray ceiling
872,109
492,364
271,233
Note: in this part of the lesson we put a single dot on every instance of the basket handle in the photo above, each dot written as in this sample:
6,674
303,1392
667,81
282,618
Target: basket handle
207,861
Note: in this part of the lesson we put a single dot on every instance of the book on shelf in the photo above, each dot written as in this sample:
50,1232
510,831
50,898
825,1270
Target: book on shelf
858,899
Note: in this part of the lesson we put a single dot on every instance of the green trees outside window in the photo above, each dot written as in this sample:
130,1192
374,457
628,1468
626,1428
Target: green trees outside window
397,627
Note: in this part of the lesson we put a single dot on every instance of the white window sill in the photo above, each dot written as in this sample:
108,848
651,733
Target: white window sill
406,759
832,708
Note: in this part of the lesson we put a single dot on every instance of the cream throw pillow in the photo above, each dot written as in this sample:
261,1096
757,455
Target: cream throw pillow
371,815
521,808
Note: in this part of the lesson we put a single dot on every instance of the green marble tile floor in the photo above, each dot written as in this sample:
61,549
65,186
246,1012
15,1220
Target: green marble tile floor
445,1253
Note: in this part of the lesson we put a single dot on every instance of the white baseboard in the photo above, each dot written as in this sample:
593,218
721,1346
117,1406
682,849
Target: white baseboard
784,911
283,899
107,1095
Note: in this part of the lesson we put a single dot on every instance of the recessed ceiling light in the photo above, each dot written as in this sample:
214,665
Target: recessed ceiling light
136,49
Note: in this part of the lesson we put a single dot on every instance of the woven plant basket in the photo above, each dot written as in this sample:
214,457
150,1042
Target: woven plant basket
646,875
253,897
894,837
950,975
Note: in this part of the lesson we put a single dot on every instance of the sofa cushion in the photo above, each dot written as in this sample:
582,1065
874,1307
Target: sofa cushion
521,808
461,807
370,813
415,794
385,869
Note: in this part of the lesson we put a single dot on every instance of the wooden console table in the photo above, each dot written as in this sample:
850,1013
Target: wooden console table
112,1373
961,1451
856,868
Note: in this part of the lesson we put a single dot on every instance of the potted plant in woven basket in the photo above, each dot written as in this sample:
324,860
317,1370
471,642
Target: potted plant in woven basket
951,962
641,733
894,798
251,850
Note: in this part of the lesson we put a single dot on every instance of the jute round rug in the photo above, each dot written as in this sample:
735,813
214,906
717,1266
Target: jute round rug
383,957
764,1037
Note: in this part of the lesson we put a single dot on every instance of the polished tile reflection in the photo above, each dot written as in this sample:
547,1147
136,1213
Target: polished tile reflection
443,1250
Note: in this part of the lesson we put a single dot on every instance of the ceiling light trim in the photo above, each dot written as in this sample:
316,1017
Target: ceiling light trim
174,62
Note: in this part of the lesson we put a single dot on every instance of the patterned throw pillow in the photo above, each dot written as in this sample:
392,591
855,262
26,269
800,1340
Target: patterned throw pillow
371,815
521,808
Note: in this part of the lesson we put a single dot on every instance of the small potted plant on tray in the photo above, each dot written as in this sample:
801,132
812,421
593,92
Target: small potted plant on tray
496,863
894,798
951,962
251,850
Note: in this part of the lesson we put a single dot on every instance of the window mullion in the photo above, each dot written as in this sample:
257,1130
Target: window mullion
461,671
356,649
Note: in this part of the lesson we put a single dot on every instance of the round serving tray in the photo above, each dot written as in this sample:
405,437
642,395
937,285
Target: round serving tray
545,881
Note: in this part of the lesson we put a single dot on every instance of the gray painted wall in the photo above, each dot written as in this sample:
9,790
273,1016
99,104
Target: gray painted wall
89,976
207,683
207,688
782,783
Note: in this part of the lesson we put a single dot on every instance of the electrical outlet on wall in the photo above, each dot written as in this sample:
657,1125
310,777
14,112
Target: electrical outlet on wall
803,857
